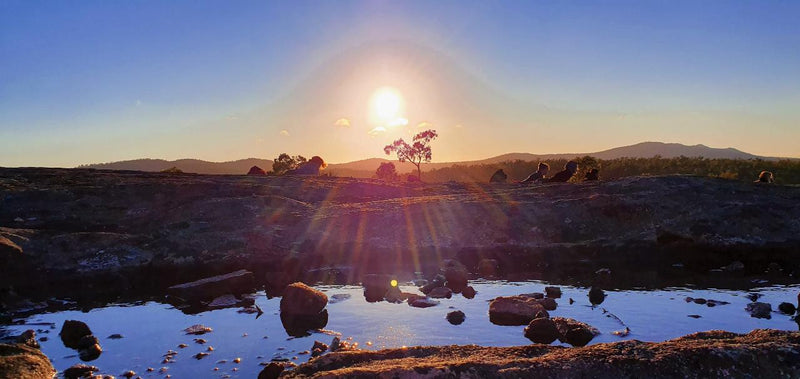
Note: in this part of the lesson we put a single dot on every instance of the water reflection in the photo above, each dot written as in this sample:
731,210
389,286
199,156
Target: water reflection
152,329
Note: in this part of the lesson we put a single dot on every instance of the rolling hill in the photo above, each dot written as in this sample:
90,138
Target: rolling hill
366,167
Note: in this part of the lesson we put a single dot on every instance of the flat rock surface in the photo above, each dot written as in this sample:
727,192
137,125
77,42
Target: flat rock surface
74,222
758,354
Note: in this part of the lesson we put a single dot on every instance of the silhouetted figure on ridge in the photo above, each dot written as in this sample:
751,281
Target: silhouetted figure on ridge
765,177
593,174
538,175
562,176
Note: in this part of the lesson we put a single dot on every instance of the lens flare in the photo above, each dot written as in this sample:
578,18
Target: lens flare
393,283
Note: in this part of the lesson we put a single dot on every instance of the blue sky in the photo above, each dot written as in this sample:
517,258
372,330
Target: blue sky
84,82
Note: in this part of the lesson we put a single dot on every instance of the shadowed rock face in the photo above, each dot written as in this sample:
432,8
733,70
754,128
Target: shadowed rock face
761,353
123,230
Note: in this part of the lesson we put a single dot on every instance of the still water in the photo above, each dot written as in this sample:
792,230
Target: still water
151,329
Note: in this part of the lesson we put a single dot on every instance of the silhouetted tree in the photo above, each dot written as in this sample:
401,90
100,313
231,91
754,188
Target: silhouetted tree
419,151
386,171
285,162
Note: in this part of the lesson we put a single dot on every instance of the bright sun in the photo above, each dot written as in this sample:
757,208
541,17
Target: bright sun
386,104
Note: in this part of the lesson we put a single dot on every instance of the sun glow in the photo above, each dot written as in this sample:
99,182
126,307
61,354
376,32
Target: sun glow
386,104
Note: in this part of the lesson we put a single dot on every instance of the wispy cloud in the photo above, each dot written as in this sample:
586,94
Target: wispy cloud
231,117
424,125
342,123
285,133
138,103
398,122
377,130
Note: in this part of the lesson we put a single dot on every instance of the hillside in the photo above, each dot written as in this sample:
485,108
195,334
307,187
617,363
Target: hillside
366,167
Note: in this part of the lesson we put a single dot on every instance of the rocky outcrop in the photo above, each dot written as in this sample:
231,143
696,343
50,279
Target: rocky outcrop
127,230
23,361
77,335
761,353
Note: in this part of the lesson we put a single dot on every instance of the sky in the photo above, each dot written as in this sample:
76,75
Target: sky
99,81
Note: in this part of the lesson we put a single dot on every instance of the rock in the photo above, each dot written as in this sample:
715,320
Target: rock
455,275
200,355
596,295
198,329
548,303
318,349
574,332
224,301
376,286
554,292
438,281
335,344
468,292
542,330
753,296
23,361
394,295
421,302
734,266
300,299
488,268
256,171
28,337
79,371
515,310
534,295
456,317
787,308
115,336
271,371
298,325
700,301
89,348
72,331
759,310
237,282
441,293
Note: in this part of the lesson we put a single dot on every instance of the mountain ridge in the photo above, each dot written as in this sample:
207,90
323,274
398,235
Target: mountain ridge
365,167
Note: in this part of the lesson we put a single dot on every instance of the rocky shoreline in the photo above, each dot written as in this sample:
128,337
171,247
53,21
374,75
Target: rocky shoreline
713,354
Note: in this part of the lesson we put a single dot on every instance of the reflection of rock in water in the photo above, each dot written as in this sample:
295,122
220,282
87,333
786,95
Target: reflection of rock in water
299,325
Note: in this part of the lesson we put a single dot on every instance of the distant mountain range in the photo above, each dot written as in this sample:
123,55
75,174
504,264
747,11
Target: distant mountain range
366,167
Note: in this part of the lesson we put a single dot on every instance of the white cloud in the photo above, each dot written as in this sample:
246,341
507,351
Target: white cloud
424,125
138,102
377,130
285,133
342,122
398,122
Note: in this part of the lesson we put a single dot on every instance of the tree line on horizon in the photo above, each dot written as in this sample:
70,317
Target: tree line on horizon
785,171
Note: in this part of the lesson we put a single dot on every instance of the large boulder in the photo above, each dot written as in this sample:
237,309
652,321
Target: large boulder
237,282
759,310
72,331
542,330
300,299
515,310
574,332
256,171
23,361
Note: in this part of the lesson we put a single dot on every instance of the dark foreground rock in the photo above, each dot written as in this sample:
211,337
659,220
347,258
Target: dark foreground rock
758,354
22,361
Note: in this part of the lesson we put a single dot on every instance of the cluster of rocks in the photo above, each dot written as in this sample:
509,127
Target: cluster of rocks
21,358
532,310
77,335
